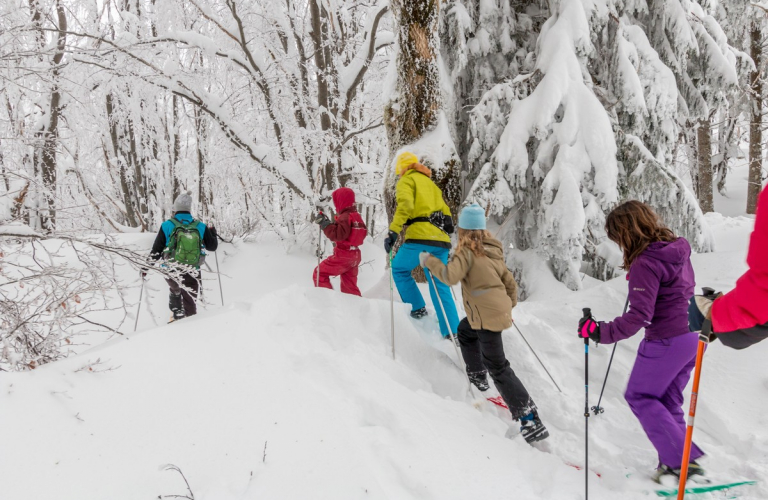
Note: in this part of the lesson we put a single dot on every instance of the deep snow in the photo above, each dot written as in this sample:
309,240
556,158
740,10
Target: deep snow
290,392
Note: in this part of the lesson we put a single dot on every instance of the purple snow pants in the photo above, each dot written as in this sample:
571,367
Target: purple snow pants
655,394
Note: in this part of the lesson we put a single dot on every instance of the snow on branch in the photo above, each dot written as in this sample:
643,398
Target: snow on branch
55,287
262,154
352,74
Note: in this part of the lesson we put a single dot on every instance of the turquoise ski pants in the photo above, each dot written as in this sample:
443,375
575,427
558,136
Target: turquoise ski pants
405,261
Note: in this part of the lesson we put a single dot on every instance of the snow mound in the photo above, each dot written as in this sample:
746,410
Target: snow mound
293,395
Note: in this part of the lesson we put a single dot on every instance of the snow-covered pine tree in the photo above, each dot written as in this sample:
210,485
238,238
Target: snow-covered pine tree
637,75
733,16
653,53
692,43
485,43
555,166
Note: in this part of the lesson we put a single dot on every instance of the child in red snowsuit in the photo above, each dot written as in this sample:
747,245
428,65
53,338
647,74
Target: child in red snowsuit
347,233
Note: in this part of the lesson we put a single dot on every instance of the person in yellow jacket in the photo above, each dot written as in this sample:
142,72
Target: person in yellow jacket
427,219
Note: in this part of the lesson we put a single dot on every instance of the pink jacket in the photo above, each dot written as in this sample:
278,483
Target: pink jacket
746,306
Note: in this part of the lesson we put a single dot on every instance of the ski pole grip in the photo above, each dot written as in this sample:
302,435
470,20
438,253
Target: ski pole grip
587,314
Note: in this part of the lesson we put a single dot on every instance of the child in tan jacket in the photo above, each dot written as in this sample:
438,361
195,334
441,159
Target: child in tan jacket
489,292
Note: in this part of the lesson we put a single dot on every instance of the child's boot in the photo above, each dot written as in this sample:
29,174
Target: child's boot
532,428
479,380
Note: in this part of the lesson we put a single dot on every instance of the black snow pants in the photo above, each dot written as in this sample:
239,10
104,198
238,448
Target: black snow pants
483,349
188,297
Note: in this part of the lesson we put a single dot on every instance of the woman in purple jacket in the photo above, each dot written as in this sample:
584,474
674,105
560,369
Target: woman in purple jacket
661,282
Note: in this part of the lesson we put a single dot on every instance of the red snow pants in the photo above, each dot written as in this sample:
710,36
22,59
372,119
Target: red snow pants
342,263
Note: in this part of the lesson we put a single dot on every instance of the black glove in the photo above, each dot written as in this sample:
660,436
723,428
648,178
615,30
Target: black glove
322,220
448,224
700,314
588,327
389,242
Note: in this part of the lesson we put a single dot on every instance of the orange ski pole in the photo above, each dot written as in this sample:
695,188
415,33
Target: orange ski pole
691,418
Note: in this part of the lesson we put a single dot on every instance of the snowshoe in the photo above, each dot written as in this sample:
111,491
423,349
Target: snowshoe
479,380
419,313
532,429
668,476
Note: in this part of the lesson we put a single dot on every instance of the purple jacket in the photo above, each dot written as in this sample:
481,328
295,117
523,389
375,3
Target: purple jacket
661,282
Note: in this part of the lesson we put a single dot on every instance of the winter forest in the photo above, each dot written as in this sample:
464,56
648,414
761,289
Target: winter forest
546,113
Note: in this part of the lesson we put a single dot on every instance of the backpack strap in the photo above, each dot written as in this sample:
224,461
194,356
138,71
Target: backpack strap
176,222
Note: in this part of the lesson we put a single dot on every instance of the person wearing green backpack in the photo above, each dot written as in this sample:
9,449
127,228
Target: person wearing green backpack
183,240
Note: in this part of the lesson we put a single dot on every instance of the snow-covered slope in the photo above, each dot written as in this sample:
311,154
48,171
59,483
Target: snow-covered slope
290,392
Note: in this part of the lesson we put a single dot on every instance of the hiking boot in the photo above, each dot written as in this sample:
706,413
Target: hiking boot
479,380
668,476
532,429
419,313
177,308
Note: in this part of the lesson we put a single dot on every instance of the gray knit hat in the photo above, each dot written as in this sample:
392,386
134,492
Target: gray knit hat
183,203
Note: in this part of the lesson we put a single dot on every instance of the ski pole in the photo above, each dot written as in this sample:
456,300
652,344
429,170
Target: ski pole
391,304
138,310
453,337
537,357
691,418
221,290
587,314
599,409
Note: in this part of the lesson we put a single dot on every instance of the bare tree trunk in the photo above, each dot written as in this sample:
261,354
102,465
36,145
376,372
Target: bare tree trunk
725,141
706,196
138,172
125,185
754,184
692,153
319,18
176,148
418,99
202,137
49,133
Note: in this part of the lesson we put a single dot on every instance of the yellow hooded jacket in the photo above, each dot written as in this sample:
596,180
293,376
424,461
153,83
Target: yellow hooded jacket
418,196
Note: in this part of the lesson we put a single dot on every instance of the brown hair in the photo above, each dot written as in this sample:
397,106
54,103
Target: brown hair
472,239
633,226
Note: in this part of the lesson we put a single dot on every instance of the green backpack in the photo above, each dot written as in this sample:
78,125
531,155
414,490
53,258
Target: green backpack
185,245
